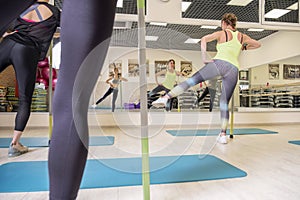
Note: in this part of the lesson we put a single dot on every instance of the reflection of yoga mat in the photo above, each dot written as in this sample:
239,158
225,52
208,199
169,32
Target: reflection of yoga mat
43,141
33,176
297,142
211,132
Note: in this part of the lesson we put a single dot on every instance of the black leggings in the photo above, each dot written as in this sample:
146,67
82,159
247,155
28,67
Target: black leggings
157,89
24,60
212,93
85,35
113,101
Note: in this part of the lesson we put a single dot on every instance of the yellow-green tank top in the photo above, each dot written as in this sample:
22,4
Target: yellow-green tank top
170,80
230,51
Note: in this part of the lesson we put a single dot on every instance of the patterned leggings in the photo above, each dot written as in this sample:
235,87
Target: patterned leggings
218,68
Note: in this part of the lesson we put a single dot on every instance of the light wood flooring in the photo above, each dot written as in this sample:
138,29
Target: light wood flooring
272,164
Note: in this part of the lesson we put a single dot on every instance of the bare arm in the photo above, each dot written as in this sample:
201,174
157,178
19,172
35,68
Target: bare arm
107,81
178,73
249,43
123,79
158,74
205,40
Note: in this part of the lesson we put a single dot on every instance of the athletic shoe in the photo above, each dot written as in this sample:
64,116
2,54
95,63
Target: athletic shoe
222,139
16,150
94,105
160,102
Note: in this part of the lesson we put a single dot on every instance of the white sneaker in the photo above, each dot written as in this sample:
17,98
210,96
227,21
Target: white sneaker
160,102
222,139
94,106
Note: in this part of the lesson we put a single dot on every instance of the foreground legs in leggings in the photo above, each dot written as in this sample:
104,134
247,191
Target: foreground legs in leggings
86,29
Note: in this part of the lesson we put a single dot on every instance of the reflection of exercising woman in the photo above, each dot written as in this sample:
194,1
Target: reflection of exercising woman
114,82
170,79
225,64
211,90
28,43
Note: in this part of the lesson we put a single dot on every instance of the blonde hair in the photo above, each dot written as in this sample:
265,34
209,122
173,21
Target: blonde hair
230,19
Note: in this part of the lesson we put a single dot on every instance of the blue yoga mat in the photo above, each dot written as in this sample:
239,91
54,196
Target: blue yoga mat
43,141
212,132
102,173
297,142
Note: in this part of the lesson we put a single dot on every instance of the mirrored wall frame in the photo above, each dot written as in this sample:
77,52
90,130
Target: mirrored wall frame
289,9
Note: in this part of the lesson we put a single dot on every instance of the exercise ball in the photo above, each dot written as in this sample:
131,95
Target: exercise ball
45,73
43,63
42,81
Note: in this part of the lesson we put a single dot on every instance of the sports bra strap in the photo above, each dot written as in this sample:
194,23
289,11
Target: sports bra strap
226,35
31,8
242,38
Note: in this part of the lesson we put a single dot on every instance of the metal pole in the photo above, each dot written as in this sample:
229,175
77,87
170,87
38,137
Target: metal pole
143,98
50,93
231,117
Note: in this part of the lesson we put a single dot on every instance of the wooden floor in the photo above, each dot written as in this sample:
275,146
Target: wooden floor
272,164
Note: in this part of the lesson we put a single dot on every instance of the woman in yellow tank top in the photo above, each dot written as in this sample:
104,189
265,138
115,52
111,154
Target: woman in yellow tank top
167,84
169,81
225,64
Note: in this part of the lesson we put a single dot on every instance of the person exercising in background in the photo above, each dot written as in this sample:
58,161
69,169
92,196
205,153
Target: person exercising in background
114,82
210,88
169,81
225,64
27,43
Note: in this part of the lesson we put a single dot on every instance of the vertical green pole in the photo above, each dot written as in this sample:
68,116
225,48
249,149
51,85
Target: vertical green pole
143,98
50,93
231,118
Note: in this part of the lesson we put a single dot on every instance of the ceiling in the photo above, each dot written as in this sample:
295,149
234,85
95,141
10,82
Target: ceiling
173,36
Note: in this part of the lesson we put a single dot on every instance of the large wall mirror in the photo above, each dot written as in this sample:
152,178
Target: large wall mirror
178,39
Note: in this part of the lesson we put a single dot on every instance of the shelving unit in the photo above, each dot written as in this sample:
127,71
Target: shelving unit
276,96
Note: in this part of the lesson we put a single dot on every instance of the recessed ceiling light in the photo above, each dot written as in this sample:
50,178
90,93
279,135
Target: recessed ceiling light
209,26
185,5
238,2
192,41
120,4
256,29
151,38
122,25
276,13
293,7
158,23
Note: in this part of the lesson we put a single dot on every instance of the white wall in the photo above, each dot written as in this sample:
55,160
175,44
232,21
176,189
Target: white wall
276,47
260,74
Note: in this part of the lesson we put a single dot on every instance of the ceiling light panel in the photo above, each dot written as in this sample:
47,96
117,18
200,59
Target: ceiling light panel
192,41
158,23
185,5
239,2
209,27
276,13
151,38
